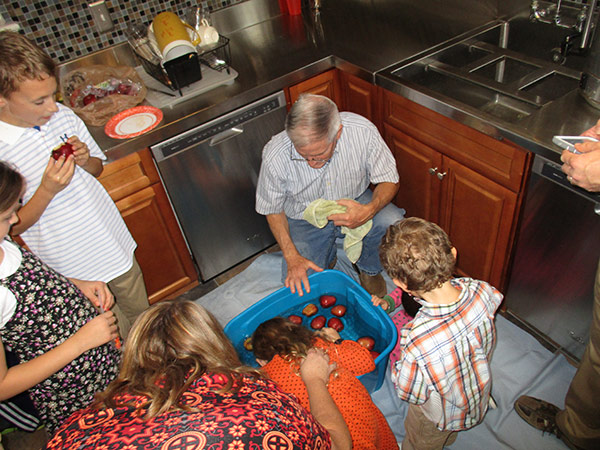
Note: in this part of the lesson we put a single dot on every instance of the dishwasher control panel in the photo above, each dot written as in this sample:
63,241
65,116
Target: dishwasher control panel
215,127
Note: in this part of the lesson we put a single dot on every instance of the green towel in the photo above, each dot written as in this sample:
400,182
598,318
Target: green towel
316,214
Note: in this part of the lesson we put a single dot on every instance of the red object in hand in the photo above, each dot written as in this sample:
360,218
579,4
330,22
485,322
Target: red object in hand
318,322
65,149
367,342
338,310
336,324
310,310
295,319
327,300
90,98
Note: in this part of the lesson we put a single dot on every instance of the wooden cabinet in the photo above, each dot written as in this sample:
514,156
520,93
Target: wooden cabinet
359,96
469,183
133,183
326,83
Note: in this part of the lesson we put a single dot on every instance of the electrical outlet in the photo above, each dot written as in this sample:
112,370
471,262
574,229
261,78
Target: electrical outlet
101,16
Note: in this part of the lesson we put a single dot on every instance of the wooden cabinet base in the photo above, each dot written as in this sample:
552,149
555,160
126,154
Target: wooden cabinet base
134,185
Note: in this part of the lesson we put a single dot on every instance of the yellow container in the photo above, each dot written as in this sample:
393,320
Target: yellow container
168,28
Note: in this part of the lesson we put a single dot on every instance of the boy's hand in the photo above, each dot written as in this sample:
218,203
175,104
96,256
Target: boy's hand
81,152
57,175
377,301
97,292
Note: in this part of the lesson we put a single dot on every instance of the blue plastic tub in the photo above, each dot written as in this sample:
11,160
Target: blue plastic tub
361,319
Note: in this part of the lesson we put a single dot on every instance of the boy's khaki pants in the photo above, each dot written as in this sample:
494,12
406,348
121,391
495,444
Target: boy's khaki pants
422,434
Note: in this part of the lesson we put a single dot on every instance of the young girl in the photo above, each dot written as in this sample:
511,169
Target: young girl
60,340
280,346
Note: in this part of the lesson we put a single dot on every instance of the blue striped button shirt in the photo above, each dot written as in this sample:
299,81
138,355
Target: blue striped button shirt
361,157
81,234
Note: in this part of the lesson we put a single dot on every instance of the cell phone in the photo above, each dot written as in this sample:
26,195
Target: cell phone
568,142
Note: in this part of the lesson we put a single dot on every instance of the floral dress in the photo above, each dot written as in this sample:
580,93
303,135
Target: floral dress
258,416
49,310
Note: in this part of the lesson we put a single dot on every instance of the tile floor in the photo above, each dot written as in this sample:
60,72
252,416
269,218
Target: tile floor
18,440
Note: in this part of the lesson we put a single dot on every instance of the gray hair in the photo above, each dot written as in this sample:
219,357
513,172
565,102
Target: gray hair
312,118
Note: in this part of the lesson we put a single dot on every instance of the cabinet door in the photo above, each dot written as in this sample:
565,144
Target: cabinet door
359,96
478,215
326,84
161,251
418,165
133,183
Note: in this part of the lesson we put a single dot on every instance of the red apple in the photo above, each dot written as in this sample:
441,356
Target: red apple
318,322
374,354
123,89
65,149
336,324
90,98
338,310
295,319
367,342
310,310
327,300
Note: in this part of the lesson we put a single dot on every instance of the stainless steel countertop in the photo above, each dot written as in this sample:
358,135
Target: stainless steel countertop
271,51
283,50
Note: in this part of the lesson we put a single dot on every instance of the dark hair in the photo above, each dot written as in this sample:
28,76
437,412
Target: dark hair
418,253
279,336
11,186
172,344
20,60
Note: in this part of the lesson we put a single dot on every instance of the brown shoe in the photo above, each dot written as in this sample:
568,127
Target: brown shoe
332,263
541,415
373,284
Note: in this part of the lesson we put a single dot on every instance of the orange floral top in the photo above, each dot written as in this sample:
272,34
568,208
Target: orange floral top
367,425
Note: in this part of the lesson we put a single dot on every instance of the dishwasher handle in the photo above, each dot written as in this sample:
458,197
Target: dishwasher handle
225,136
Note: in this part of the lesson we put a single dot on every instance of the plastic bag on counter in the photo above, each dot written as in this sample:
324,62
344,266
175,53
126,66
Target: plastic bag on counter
96,93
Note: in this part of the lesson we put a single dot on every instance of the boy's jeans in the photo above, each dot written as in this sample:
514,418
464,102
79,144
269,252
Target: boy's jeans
318,244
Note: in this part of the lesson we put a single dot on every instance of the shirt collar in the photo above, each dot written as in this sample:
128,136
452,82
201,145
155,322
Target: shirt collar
10,134
435,310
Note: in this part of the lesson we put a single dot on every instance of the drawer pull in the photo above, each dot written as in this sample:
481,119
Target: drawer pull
432,170
442,175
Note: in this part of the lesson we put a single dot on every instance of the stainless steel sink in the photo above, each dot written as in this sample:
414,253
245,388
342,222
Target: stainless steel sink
506,71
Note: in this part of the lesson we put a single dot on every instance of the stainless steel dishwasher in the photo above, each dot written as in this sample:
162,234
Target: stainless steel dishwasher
210,174
558,245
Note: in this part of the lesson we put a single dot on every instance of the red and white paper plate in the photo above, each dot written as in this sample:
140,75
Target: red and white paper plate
133,122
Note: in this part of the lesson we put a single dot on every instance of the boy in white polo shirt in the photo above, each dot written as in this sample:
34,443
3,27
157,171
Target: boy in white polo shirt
67,219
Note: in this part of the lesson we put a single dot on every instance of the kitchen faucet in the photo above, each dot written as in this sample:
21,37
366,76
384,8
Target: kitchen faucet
575,15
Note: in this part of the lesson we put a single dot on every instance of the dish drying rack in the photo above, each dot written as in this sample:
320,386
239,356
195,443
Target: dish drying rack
217,56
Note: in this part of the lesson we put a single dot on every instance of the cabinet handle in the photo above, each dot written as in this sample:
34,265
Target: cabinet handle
442,175
432,170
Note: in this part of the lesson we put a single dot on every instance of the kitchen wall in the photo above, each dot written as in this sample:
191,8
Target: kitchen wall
64,28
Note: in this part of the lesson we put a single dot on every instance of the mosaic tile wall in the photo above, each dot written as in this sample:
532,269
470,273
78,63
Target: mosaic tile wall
64,28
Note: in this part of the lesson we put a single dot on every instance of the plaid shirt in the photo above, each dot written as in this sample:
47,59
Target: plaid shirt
447,350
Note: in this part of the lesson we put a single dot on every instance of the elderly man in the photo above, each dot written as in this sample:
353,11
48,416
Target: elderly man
325,154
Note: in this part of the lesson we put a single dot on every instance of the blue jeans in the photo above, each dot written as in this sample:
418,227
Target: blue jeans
318,244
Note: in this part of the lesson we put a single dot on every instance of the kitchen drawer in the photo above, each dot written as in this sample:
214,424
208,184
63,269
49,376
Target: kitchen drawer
499,160
128,175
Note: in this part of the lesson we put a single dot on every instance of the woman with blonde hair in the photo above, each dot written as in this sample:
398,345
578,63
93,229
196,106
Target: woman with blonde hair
181,381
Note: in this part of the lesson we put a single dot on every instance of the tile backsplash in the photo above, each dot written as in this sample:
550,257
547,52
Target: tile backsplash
65,28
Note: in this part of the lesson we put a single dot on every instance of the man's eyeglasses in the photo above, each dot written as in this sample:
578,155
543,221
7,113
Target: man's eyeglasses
315,158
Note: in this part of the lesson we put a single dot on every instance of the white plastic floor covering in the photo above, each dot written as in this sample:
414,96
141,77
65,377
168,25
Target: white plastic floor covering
520,365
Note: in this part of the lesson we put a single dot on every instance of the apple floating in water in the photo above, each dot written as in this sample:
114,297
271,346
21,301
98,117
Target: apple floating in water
336,324
327,300
65,149
367,342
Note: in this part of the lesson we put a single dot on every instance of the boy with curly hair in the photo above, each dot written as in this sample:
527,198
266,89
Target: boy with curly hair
444,366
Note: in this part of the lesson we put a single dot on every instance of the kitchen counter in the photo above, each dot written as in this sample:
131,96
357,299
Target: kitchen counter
271,51
282,50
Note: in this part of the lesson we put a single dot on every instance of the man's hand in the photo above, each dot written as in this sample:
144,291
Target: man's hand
297,267
593,132
356,214
583,170
97,292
